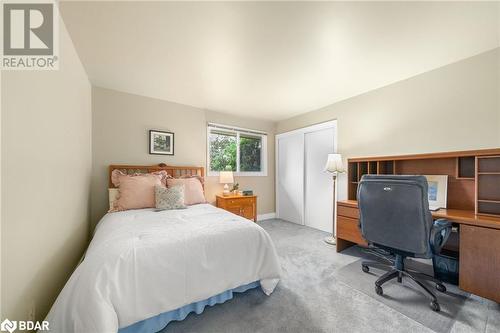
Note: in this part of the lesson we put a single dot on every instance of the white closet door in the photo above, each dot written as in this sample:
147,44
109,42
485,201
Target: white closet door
290,180
318,184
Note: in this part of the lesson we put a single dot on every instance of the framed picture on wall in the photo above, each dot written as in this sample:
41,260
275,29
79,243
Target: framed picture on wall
161,143
437,191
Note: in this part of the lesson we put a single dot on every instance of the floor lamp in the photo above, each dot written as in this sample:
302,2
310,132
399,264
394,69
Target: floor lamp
334,166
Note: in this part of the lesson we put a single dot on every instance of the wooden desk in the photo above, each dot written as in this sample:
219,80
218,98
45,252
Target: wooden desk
473,200
479,254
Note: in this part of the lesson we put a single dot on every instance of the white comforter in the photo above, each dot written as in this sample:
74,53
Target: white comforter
141,263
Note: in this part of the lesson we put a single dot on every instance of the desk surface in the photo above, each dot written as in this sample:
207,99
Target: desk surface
455,215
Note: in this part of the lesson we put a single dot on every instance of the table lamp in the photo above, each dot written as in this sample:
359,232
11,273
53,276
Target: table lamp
334,166
226,177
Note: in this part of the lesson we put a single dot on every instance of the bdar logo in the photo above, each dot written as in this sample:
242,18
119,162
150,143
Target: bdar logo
28,29
29,325
8,325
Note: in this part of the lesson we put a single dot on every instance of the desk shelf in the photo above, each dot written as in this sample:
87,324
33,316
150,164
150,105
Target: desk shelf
488,185
466,167
356,170
488,164
491,201
385,167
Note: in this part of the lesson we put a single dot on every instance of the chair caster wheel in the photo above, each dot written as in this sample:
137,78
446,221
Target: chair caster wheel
379,290
441,287
365,268
435,306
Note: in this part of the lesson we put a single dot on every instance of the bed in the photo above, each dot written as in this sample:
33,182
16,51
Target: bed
145,268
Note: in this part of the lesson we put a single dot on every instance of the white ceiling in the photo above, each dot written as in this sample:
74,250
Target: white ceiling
271,60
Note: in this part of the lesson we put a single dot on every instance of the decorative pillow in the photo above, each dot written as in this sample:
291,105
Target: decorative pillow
169,198
113,194
137,191
193,191
117,174
193,176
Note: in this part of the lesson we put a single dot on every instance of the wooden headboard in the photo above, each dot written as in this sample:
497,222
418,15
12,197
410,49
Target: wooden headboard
174,171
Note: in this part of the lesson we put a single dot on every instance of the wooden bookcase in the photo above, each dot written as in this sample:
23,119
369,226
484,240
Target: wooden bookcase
473,176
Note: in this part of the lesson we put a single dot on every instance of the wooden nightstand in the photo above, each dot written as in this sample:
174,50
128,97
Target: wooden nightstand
243,205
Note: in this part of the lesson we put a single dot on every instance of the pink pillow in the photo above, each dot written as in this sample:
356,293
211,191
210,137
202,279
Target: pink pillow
116,174
137,191
193,191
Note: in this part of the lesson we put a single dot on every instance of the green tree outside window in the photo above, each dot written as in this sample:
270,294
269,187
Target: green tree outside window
223,152
250,152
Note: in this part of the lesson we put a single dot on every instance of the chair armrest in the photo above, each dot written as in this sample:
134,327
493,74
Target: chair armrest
440,232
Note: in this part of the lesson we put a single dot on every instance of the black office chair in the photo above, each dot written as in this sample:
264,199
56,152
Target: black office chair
395,217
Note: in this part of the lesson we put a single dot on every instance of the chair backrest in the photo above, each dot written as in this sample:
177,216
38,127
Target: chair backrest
394,212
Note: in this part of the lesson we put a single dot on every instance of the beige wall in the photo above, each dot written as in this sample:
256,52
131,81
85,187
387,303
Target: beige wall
120,126
454,107
46,165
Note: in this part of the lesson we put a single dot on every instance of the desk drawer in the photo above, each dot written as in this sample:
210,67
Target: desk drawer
347,228
347,211
479,261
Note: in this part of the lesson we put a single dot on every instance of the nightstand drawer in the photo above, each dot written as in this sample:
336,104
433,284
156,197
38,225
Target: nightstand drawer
239,202
235,210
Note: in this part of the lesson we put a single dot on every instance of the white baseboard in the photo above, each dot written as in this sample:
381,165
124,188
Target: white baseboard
268,216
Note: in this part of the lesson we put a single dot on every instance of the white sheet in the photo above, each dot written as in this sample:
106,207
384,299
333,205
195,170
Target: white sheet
141,263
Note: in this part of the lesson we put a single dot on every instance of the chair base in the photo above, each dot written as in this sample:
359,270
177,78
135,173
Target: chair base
397,270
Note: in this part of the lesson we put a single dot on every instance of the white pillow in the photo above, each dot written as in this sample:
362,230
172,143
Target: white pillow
113,194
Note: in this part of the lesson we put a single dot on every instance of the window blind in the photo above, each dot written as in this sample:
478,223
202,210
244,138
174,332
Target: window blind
236,129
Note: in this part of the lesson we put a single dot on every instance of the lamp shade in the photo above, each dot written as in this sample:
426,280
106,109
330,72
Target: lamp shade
226,177
334,163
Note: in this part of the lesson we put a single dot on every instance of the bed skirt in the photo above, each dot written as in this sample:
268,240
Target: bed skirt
157,323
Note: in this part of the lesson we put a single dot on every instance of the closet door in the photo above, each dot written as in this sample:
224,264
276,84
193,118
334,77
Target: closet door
290,178
318,183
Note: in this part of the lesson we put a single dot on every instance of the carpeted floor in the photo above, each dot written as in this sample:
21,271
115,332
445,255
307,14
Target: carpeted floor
314,296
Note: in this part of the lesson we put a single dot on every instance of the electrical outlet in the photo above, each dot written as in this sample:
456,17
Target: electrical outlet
32,311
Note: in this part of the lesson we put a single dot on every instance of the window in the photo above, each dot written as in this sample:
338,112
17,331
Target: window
222,151
239,150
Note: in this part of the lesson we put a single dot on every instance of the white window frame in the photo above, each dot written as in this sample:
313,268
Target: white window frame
237,131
